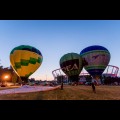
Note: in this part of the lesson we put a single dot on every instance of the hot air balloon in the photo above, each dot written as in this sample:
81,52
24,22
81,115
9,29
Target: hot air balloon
25,60
95,60
71,65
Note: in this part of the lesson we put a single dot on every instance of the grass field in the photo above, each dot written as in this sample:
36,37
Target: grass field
80,92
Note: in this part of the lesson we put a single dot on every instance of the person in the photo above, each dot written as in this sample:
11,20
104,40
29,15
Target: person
93,85
61,85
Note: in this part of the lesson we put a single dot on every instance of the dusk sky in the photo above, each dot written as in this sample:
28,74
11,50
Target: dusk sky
54,38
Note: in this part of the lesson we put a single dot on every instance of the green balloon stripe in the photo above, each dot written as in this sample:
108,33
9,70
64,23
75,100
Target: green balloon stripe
24,62
39,60
17,65
27,75
26,48
74,73
32,60
69,56
20,48
94,67
27,62
95,51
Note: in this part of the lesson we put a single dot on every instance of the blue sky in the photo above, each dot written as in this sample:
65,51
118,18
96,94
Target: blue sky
54,38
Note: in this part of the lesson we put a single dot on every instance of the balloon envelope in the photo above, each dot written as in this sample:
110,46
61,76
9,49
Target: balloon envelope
71,64
95,59
25,60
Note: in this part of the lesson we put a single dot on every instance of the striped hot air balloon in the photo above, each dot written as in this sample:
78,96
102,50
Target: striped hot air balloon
95,60
71,65
25,60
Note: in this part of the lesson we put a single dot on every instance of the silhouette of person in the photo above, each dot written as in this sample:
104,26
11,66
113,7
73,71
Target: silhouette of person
62,86
93,85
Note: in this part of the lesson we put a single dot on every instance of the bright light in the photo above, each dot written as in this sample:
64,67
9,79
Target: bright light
6,77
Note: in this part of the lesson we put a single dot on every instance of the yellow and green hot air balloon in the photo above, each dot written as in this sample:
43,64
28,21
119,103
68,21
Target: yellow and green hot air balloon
25,60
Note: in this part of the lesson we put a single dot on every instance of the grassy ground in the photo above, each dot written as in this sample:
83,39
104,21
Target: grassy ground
80,92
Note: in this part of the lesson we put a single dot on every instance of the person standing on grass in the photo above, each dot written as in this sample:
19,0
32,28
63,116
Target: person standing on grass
62,86
93,86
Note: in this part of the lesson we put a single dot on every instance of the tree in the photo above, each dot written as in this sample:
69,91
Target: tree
14,78
1,71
